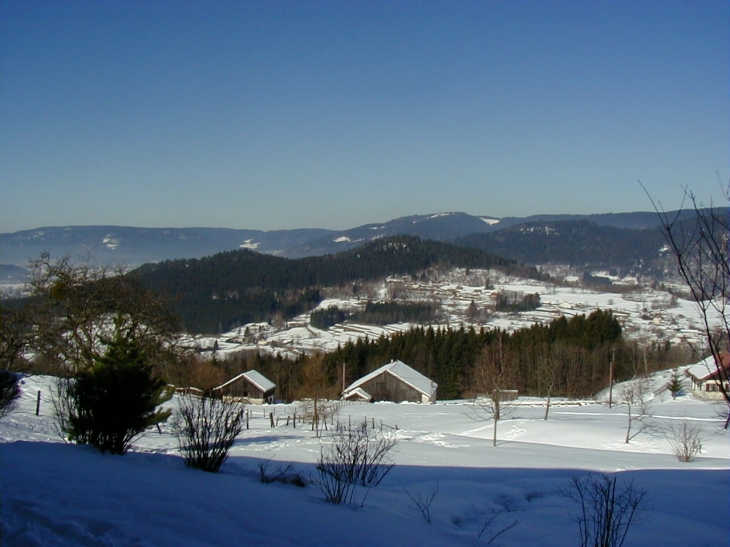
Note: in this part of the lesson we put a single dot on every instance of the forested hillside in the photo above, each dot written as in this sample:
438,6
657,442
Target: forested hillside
226,290
580,244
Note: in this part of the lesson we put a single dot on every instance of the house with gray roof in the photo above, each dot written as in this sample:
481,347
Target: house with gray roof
396,382
251,386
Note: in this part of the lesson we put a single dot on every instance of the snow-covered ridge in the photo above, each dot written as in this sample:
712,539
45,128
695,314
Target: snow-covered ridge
345,239
110,242
437,215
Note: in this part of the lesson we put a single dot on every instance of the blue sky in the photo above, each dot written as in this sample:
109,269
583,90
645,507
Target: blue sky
291,114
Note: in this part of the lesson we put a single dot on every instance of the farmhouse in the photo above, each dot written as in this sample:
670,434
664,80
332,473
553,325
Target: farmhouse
705,378
252,386
396,382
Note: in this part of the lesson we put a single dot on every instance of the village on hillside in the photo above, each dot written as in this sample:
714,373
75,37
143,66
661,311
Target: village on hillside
463,298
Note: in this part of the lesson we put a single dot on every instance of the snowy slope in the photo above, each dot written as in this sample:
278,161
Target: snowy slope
57,494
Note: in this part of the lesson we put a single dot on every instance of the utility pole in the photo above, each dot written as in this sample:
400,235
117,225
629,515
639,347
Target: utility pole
610,379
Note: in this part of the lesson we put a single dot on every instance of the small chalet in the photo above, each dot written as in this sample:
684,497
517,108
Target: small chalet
705,378
251,386
396,382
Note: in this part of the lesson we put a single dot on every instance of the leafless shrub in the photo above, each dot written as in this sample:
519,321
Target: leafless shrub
489,529
685,438
530,496
206,429
606,512
423,502
281,472
352,457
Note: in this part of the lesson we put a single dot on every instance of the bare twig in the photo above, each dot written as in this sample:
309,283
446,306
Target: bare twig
423,502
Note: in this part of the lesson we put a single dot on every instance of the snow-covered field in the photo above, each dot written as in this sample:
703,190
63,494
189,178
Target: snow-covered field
58,494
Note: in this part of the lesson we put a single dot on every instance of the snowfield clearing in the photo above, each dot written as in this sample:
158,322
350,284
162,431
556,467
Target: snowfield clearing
58,494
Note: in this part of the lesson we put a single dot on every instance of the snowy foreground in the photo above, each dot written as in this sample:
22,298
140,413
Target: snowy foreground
57,494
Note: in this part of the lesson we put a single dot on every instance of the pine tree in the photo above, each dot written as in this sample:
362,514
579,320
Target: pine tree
675,384
109,404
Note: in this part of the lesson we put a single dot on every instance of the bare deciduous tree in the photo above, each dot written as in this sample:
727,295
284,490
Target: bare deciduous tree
75,307
492,382
635,395
16,326
700,246
548,371
318,385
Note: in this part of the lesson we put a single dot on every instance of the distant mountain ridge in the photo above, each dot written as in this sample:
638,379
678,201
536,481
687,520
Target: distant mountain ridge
134,246
456,226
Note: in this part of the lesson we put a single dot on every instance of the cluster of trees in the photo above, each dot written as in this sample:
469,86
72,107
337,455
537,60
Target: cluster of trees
515,302
376,313
579,350
224,291
325,318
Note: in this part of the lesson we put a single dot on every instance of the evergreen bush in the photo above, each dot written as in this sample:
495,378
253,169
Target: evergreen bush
111,403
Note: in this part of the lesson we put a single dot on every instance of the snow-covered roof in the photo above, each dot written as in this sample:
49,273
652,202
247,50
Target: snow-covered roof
404,373
359,392
706,368
255,378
